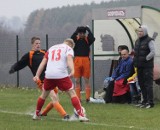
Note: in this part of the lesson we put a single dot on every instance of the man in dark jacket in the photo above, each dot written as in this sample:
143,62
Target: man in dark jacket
144,61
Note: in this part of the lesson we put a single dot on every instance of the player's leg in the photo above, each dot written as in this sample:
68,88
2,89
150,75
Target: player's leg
55,104
40,103
87,89
50,104
78,88
77,75
47,87
86,75
77,105
75,101
66,85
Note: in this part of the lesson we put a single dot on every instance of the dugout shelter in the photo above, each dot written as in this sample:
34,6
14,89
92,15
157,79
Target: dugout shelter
118,26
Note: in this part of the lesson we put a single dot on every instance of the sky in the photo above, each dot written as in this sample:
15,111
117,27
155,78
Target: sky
22,8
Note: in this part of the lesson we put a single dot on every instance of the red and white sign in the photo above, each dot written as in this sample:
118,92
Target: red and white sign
116,13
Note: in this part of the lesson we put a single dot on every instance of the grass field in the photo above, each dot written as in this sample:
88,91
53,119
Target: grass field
17,105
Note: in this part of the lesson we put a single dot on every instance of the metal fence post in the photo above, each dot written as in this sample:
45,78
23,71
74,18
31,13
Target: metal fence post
17,51
46,41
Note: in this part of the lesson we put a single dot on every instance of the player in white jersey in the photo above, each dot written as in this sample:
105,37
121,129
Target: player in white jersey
58,58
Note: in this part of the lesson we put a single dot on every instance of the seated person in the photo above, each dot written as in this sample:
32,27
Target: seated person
117,89
109,89
124,69
134,87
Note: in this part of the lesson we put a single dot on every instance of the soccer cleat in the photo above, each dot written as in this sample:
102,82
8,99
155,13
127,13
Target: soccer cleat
83,111
83,119
74,118
87,100
66,118
43,114
35,117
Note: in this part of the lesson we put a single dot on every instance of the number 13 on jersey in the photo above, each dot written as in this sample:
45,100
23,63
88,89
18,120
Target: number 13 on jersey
56,55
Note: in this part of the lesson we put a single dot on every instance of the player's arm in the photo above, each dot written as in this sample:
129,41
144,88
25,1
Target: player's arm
70,64
74,35
152,50
40,69
23,62
91,38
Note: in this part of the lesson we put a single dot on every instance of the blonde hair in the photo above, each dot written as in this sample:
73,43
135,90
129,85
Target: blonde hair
69,41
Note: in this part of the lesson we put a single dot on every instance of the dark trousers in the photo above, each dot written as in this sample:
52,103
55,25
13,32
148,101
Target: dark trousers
125,98
109,92
120,99
145,80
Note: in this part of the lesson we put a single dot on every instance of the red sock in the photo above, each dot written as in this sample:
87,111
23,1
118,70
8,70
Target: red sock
77,105
40,103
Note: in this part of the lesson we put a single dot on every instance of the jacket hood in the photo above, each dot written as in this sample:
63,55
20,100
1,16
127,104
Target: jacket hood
145,29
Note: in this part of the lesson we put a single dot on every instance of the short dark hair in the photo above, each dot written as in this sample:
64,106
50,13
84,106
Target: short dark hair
33,39
122,47
82,29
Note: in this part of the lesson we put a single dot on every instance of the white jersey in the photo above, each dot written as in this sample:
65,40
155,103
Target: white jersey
57,61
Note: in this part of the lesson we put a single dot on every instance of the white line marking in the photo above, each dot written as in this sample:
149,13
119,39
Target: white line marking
17,113
97,124
87,123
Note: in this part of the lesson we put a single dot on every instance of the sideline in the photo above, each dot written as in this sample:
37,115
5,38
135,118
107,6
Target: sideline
87,123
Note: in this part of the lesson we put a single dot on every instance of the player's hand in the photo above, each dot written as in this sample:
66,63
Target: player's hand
35,78
125,81
87,28
11,71
71,74
77,30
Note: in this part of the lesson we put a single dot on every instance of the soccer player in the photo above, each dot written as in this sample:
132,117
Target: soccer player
57,59
32,59
83,39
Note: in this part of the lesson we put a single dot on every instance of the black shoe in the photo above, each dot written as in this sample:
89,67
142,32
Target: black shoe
87,100
43,114
140,105
149,106
143,106
66,118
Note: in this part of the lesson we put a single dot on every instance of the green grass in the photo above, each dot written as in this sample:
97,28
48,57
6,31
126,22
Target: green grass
16,105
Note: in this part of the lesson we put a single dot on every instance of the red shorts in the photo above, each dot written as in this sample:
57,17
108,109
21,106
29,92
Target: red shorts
82,67
63,84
